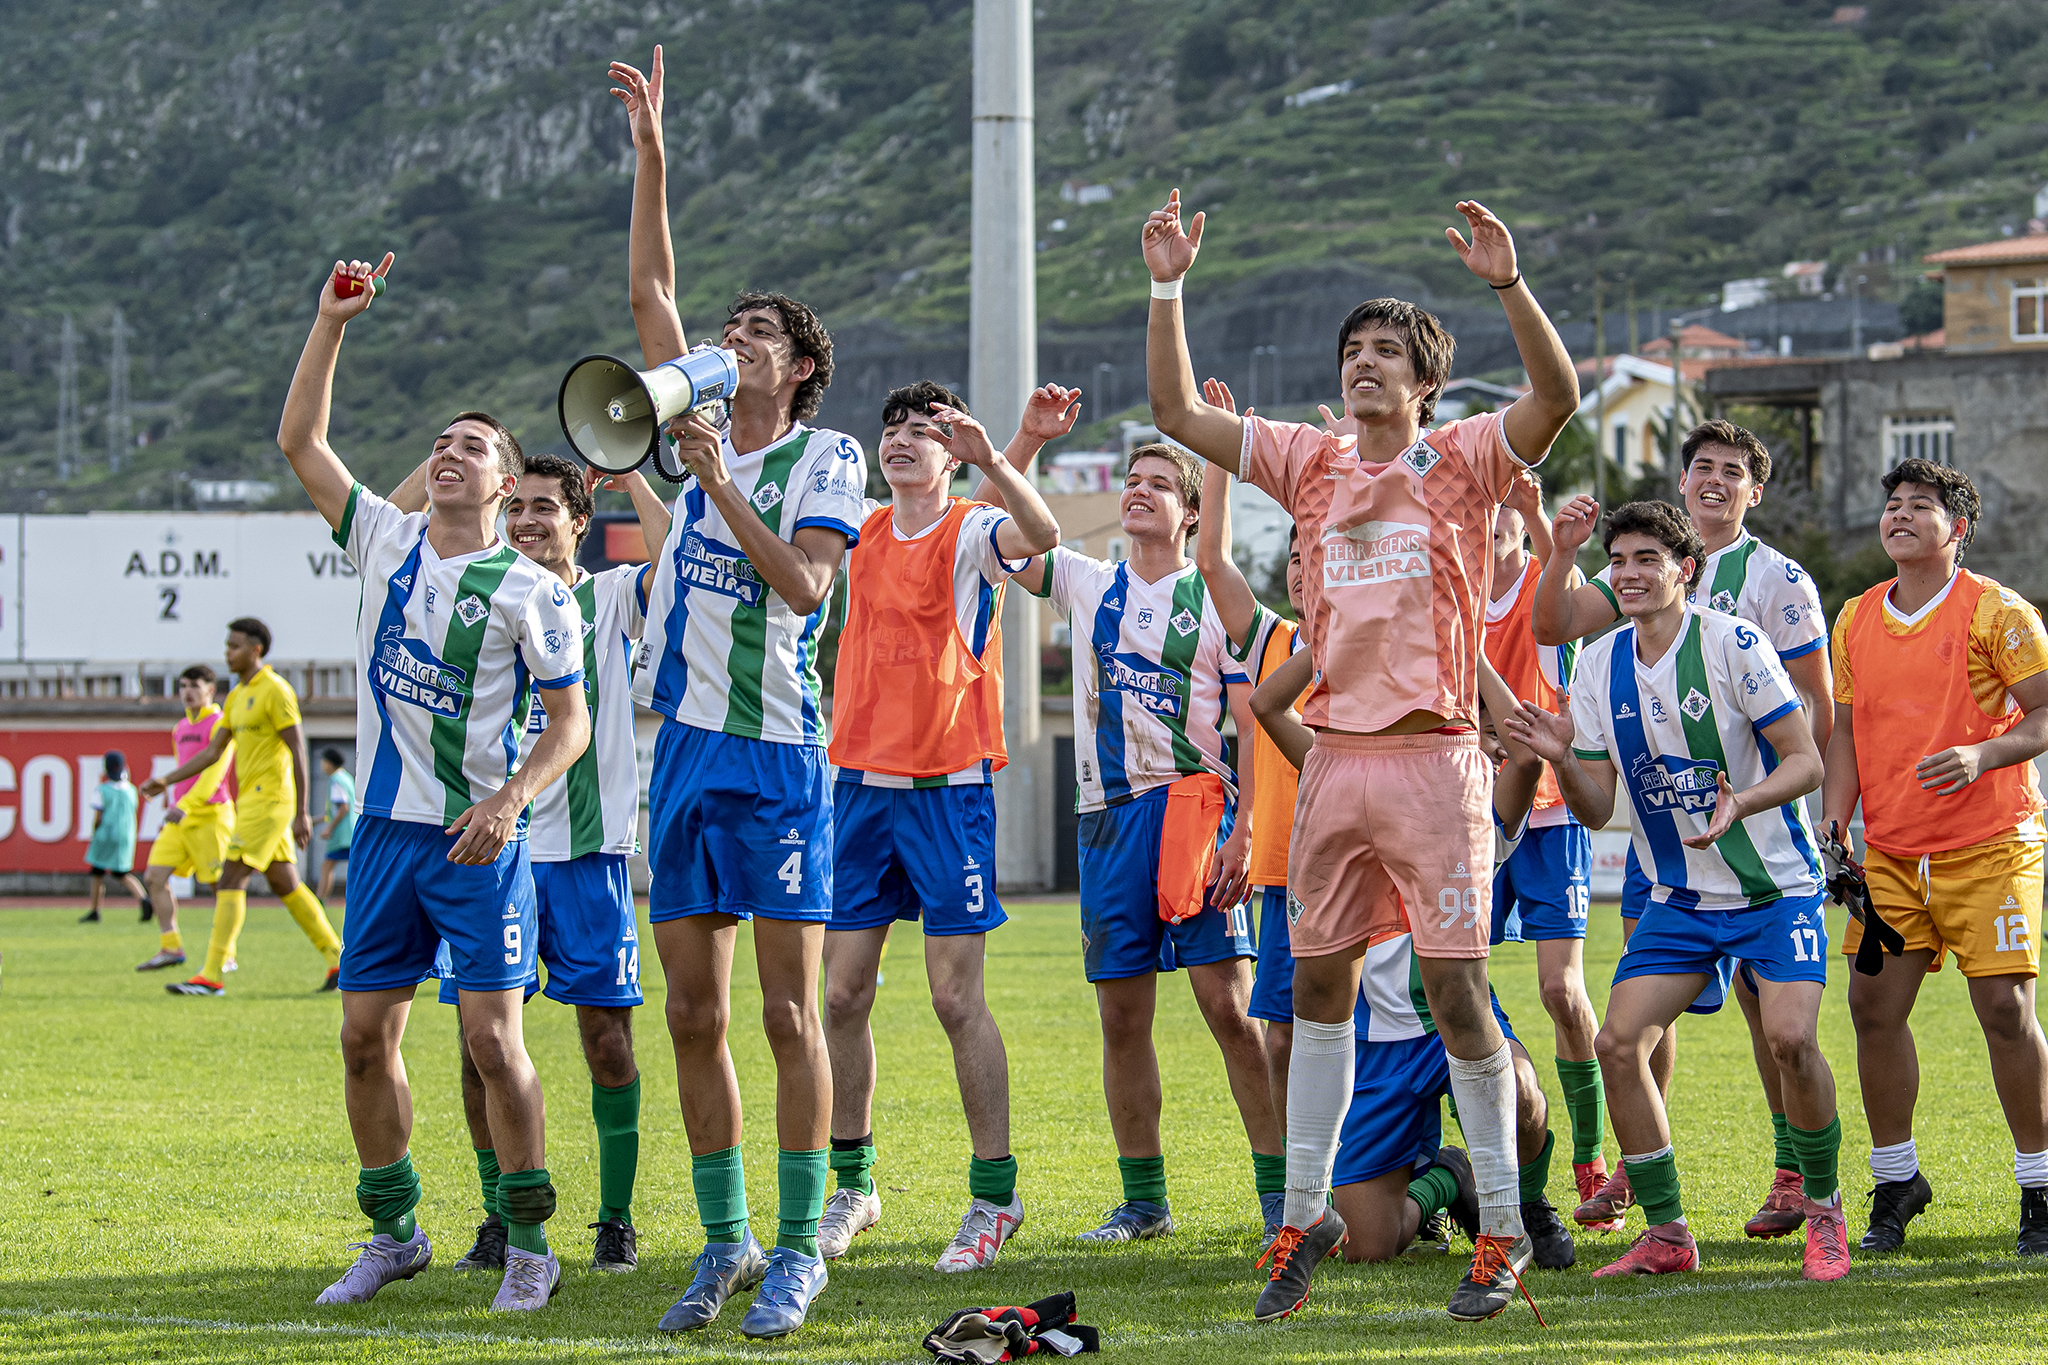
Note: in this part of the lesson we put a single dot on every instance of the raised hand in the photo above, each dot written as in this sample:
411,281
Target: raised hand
1170,249
1525,494
1491,255
642,97
1543,733
1050,413
699,450
1574,524
965,439
1217,394
339,309
1727,810
1347,425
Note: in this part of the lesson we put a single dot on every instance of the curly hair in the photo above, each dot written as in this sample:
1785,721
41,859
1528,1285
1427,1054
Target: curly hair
575,493
920,397
511,459
1667,525
807,337
1429,345
1190,475
1959,497
1724,433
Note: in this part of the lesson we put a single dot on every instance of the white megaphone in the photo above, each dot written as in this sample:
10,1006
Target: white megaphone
613,415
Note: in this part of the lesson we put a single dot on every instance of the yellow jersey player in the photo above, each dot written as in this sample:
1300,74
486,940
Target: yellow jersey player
194,839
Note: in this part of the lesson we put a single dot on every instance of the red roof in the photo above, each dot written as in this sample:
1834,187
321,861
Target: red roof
1697,338
2032,248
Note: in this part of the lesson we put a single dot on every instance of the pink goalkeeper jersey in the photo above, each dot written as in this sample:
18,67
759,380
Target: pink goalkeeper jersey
191,737
1397,562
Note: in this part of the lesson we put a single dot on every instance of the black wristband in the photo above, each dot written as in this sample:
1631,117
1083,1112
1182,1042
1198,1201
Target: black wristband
1509,285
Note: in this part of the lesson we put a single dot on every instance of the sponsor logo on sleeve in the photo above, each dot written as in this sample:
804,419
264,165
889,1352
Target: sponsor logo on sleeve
1375,552
561,598
406,670
553,641
1745,638
2012,637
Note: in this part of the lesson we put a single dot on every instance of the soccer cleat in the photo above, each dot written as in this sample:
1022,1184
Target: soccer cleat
530,1281
1432,1238
331,983
1784,1207
1656,1251
1464,1211
89,917
198,985
1489,1286
1273,1207
792,1284
1607,1207
618,1247
488,1251
1827,1239
2033,1220
384,1259
168,957
1134,1220
721,1270
1551,1239
848,1213
1295,1254
1893,1204
1589,1176
982,1234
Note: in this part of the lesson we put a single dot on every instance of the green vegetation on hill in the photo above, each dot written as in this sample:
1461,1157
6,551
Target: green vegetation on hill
199,168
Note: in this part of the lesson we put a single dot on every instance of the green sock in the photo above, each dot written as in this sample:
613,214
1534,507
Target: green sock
800,1199
1536,1175
526,1200
1656,1185
721,1184
1818,1152
389,1194
1787,1155
853,1162
617,1112
993,1181
1144,1178
1586,1102
1434,1190
1269,1172
487,1176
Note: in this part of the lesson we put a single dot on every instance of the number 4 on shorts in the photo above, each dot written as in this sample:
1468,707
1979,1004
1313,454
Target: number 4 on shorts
792,872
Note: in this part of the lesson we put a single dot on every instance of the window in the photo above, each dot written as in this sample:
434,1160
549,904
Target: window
1621,445
1919,436
2030,310
1118,551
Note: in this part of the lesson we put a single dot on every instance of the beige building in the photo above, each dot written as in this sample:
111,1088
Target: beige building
1995,295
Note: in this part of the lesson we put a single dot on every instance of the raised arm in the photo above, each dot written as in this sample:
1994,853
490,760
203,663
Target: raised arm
799,570
1565,611
1587,784
651,256
1031,529
1212,433
654,514
1049,413
411,496
302,431
1534,419
1236,606
1525,495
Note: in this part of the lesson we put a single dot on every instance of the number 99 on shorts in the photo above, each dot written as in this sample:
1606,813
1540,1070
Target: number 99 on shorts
1454,901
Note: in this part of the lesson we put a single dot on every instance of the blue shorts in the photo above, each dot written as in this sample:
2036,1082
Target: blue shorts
739,827
1786,940
1396,1113
1635,895
1273,979
337,855
1121,932
449,994
901,851
407,897
1545,887
589,939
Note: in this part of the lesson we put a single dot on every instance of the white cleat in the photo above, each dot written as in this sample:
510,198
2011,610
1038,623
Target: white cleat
982,1234
384,1259
530,1281
848,1213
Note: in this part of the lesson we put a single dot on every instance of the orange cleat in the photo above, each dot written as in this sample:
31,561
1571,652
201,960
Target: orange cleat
1827,1240
1784,1207
1660,1250
1608,1206
1590,1176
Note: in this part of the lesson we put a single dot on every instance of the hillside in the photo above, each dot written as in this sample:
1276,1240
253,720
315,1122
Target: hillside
198,166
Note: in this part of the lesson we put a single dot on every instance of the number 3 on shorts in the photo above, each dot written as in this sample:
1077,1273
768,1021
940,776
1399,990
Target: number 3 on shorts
792,872
1453,901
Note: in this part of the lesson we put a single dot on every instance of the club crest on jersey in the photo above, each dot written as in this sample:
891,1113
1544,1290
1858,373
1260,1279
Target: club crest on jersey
1294,908
1723,601
766,496
722,569
1656,708
1421,458
1675,782
1695,704
471,609
1184,622
408,671
1158,690
1144,617
1374,553
432,598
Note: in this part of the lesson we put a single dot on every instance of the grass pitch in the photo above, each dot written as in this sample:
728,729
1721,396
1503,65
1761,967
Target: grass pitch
179,1185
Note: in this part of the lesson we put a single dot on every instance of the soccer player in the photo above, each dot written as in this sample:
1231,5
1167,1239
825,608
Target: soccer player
455,628
1689,714
338,822
1724,469
194,839
1165,837
1543,889
1941,690
1396,529
580,833
740,801
112,850
272,817
917,735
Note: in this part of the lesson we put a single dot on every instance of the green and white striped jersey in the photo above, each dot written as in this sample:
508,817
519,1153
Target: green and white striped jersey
595,807
722,650
1748,578
450,651
1671,729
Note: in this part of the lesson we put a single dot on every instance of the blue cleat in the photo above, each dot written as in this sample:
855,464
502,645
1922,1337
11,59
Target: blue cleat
721,1270
1134,1220
793,1282
1274,1207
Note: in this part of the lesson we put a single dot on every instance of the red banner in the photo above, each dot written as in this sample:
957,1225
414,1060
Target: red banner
47,781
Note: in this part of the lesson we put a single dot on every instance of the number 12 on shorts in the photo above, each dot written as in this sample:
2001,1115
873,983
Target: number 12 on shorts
2013,932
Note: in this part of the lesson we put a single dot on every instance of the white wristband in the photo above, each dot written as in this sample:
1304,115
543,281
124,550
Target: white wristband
1166,289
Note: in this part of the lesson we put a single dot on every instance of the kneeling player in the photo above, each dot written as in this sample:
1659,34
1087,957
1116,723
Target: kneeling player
1691,714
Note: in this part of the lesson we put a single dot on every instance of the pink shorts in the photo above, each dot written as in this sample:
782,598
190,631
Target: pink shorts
1387,821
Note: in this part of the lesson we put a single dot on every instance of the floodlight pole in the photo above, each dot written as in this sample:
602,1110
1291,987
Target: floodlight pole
1002,365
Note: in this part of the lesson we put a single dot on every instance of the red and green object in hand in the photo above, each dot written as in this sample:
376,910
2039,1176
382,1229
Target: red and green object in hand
347,286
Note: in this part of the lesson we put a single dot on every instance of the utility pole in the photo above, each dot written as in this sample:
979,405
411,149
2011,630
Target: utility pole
69,455
120,427
1671,439
1002,363
1599,395
1633,347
